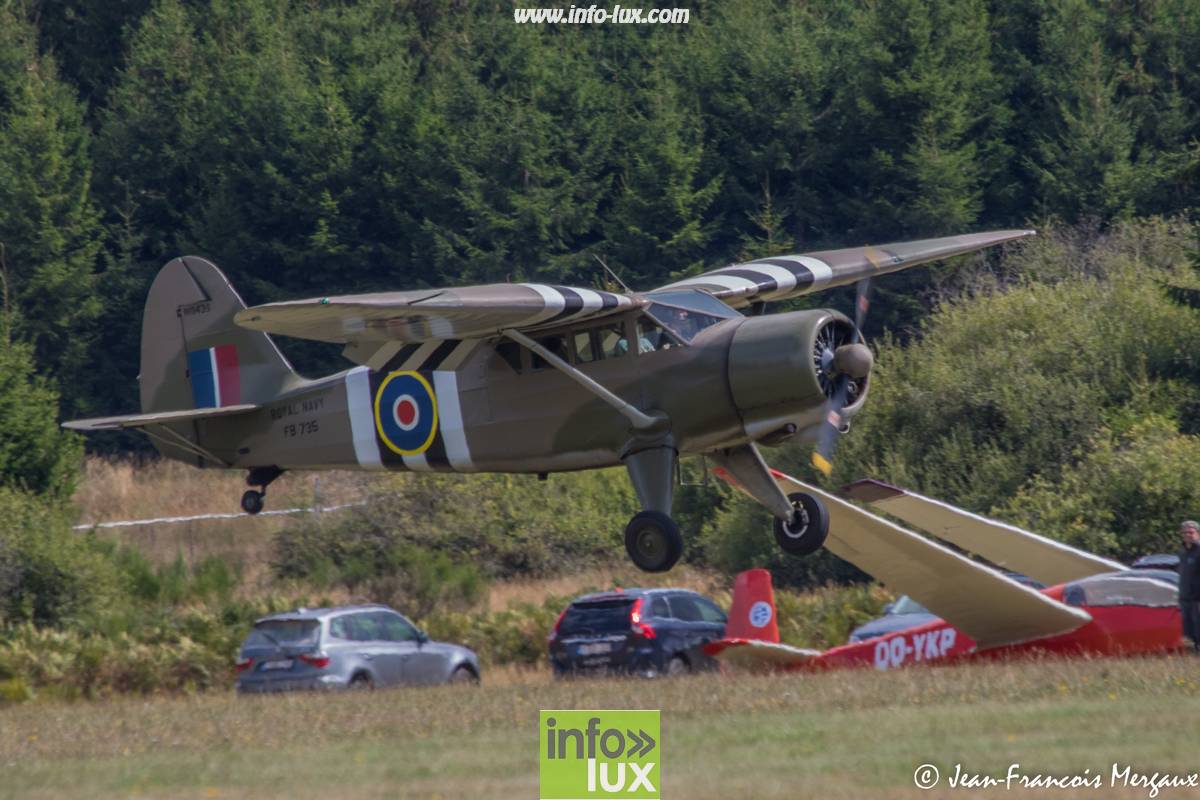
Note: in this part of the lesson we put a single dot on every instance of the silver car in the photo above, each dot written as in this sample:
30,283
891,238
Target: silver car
349,647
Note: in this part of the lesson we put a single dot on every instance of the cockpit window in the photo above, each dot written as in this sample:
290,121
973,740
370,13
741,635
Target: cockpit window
651,336
695,300
683,322
906,605
1121,589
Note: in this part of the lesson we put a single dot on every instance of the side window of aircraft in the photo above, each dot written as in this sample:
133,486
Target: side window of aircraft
555,344
652,336
613,342
510,352
586,349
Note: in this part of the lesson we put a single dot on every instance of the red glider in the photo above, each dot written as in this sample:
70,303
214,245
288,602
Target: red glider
1092,606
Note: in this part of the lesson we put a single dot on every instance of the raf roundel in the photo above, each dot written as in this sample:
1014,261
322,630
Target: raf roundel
406,413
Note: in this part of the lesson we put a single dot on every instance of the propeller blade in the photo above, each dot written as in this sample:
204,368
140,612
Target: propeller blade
861,302
822,457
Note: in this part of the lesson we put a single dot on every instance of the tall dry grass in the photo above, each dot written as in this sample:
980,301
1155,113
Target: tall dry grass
139,489
129,489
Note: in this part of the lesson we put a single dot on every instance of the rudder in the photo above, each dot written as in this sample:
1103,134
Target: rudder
193,355
753,613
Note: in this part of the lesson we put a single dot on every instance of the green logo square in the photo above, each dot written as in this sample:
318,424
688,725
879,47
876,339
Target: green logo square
586,754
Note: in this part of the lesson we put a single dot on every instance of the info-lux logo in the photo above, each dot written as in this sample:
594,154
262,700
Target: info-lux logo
595,754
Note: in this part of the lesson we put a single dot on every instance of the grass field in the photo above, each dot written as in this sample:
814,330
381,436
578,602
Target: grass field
846,734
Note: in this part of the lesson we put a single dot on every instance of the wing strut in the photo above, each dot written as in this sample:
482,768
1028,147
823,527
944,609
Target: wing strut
184,443
639,419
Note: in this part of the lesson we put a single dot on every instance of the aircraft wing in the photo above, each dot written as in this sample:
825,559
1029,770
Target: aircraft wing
783,277
156,418
1006,545
986,605
756,654
366,321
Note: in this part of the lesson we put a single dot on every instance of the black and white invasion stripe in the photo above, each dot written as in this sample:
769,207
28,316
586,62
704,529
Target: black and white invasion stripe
765,279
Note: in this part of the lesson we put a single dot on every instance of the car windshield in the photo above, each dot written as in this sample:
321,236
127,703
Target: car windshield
596,616
284,632
906,605
1122,589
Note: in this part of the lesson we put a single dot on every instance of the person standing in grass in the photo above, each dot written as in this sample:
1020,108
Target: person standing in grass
1189,581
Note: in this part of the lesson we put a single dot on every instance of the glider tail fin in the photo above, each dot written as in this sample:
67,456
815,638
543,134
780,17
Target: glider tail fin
753,613
193,354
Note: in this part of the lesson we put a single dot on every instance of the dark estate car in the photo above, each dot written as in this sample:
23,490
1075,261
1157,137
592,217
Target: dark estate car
645,632
348,647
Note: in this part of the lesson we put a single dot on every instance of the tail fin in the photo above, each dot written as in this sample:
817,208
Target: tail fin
193,355
753,613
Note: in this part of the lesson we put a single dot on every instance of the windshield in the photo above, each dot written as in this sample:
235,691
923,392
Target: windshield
687,313
683,322
696,300
906,605
604,616
284,633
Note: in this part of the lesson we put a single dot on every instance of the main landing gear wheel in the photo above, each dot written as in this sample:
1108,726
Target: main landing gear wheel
252,501
808,528
653,541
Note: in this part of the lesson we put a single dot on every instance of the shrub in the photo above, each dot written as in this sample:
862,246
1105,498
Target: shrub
506,525
49,574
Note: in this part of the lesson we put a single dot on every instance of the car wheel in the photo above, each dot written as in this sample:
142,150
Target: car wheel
678,665
464,676
361,683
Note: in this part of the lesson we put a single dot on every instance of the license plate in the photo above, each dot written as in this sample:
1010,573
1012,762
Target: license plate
595,649
281,664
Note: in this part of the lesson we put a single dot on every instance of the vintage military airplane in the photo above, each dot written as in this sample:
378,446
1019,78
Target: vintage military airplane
524,377
1091,607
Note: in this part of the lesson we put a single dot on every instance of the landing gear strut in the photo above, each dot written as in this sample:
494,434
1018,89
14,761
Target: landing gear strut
652,538
808,528
252,500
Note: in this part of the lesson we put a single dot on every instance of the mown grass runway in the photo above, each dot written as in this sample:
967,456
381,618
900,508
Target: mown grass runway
846,734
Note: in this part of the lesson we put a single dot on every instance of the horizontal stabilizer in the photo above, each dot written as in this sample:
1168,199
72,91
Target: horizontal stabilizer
156,418
756,654
1008,546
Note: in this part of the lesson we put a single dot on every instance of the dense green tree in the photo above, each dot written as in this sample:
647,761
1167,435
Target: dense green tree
35,454
49,234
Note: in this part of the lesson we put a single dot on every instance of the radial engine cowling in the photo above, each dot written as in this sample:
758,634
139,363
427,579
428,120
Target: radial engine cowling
783,370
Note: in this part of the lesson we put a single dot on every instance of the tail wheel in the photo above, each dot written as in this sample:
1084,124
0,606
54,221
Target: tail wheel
808,528
252,501
653,541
